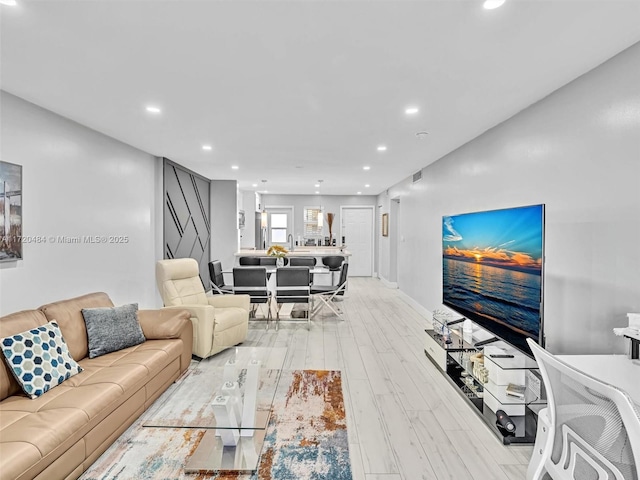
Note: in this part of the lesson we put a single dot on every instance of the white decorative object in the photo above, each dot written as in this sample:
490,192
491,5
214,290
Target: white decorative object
232,390
467,326
230,372
250,397
225,415
467,331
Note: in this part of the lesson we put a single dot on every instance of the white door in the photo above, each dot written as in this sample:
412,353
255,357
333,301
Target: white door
357,230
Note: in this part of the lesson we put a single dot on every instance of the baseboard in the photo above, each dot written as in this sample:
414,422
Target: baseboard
415,305
387,283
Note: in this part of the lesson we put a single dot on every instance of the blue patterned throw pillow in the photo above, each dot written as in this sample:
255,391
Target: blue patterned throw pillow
39,359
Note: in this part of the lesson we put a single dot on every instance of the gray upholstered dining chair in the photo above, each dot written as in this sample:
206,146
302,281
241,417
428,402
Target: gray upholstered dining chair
589,430
292,286
218,286
303,262
330,294
252,281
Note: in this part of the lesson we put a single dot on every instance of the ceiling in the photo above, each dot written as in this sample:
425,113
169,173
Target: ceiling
296,91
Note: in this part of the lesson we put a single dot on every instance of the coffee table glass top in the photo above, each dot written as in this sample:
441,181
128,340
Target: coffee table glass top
189,402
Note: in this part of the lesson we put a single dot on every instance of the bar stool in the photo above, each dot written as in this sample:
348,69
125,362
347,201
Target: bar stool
334,262
253,261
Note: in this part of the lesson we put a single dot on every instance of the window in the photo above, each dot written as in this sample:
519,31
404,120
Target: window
278,228
311,226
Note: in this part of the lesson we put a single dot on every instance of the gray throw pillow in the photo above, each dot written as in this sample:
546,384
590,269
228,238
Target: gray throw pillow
112,328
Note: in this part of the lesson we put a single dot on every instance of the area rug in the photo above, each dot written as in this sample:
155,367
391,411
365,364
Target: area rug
306,439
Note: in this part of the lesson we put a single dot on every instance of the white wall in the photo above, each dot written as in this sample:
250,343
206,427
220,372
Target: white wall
247,199
578,152
79,182
224,221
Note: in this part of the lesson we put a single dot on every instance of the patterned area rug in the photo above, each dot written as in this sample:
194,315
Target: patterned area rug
306,439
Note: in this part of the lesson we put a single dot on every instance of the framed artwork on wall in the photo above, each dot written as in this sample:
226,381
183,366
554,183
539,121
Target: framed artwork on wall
385,224
241,219
10,212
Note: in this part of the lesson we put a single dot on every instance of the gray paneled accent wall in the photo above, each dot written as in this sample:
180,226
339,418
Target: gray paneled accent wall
187,214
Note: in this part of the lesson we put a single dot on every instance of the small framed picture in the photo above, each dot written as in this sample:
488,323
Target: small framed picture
241,219
10,212
385,224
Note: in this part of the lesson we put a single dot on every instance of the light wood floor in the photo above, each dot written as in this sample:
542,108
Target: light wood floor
405,421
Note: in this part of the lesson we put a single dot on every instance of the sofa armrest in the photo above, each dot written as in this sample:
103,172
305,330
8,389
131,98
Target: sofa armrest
226,301
166,324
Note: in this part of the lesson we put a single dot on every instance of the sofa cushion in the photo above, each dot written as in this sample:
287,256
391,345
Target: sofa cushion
110,329
39,358
68,315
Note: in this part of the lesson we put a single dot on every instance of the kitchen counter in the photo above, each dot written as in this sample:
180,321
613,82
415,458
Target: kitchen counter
298,252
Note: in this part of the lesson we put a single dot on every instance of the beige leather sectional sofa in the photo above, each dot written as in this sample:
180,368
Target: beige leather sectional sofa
59,434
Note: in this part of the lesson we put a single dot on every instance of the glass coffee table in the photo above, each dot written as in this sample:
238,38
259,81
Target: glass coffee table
229,395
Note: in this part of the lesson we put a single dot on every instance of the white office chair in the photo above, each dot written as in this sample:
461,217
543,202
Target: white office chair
590,430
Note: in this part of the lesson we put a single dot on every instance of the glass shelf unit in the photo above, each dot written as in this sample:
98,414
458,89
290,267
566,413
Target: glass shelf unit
447,335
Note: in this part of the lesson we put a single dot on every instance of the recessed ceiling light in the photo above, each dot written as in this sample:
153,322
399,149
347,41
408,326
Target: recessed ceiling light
359,193
367,186
382,148
366,167
235,167
8,3
317,192
411,110
317,185
207,147
254,184
491,4
153,109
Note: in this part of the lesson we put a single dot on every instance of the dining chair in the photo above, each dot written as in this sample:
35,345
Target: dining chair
589,430
218,286
303,262
292,286
252,281
330,294
334,262
247,261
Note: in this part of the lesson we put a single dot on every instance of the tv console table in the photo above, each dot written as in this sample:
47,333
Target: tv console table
451,350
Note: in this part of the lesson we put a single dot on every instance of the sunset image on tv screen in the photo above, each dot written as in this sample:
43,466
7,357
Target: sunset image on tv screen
492,268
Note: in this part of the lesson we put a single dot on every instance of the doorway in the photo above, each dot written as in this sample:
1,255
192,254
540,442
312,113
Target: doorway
356,227
394,217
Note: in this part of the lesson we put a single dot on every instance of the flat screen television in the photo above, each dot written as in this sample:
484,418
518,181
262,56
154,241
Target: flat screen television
492,271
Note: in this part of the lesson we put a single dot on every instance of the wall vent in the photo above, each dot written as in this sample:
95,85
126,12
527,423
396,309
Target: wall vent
417,176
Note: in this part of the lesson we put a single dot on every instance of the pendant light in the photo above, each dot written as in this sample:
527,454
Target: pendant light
320,216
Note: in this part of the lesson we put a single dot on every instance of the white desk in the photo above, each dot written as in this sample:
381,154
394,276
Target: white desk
616,370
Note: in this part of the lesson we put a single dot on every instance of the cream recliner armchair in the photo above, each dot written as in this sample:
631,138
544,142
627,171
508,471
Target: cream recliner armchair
219,322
